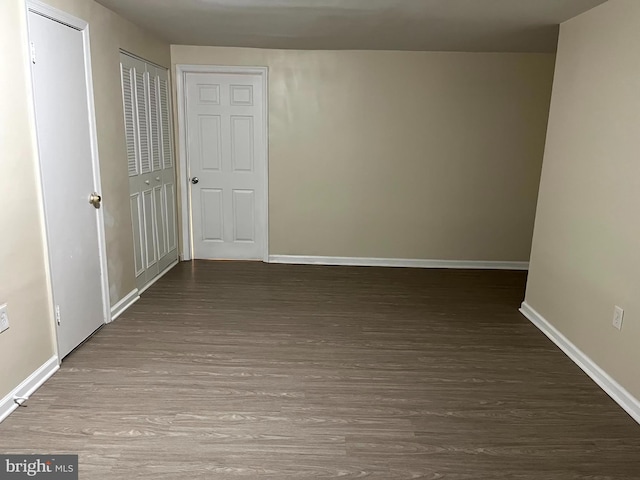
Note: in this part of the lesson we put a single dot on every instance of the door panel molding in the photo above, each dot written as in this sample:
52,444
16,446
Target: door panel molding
186,227
82,26
135,201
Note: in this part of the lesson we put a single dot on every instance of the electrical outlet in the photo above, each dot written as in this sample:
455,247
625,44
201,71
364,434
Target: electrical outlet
618,314
4,318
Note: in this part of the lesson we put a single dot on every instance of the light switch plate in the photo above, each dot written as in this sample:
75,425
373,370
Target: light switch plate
4,318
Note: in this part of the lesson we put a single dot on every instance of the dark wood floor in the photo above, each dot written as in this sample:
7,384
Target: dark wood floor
230,370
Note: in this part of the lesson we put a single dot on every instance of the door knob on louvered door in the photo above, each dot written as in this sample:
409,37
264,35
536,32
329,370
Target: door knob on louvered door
195,180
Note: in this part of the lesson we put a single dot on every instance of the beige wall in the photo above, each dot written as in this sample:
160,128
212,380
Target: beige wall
400,154
586,245
29,342
23,276
110,32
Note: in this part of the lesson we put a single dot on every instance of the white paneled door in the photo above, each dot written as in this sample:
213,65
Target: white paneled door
226,155
69,178
152,179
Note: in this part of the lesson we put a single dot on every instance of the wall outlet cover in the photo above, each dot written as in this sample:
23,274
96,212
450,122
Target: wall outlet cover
4,318
618,314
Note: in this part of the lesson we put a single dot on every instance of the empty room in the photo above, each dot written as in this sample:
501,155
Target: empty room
386,239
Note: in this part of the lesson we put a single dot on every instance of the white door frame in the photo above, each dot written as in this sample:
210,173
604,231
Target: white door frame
186,252
82,26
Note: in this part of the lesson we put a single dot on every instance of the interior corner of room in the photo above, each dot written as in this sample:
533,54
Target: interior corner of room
417,159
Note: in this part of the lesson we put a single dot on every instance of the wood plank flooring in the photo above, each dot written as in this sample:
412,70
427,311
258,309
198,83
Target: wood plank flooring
239,370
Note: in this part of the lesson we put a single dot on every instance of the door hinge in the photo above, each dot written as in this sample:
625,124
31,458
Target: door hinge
33,53
58,314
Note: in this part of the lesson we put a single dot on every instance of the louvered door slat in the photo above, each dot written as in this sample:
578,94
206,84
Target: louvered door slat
129,121
167,153
143,132
155,123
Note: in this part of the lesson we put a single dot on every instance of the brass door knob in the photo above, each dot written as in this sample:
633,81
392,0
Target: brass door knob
95,199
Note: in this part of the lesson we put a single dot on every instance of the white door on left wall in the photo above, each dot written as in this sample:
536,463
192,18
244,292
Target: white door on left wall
64,132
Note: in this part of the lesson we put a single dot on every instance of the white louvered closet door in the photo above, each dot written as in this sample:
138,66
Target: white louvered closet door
152,183
169,190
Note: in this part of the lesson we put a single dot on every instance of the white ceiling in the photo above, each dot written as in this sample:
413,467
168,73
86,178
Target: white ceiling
436,25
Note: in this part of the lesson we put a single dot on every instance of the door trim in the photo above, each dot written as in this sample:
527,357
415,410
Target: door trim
186,248
82,26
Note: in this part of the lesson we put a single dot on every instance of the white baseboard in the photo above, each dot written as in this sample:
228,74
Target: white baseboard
118,309
158,277
617,392
397,262
28,386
